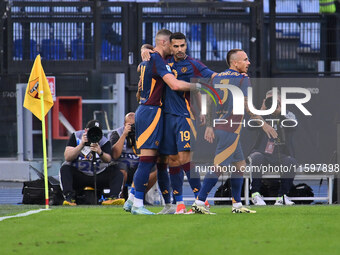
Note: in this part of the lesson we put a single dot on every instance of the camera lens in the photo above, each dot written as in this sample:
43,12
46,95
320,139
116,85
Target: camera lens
268,102
94,134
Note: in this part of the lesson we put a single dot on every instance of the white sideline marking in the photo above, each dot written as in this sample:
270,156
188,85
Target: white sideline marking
23,214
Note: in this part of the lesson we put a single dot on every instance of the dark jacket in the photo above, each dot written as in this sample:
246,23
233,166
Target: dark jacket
285,142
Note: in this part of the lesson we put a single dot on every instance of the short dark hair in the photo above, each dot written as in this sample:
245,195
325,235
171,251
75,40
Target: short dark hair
93,123
230,53
164,31
178,36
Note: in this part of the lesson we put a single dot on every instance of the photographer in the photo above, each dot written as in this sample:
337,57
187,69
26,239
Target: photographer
125,153
77,171
274,152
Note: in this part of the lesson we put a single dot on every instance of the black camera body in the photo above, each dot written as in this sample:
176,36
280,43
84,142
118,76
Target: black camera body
268,102
131,137
94,134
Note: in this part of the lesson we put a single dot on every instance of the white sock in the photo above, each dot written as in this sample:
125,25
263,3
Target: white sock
237,205
131,197
199,202
167,205
138,202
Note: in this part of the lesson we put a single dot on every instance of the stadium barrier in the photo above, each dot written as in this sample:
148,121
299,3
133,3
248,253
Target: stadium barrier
298,177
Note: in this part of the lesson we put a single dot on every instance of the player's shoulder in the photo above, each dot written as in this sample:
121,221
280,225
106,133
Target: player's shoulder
194,61
232,74
156,57
170,60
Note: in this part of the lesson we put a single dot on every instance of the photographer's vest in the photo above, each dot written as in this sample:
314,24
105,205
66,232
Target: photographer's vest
327,6
128,155
84,161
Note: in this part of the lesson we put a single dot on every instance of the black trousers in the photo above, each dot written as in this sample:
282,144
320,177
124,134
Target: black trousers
73,180
287,178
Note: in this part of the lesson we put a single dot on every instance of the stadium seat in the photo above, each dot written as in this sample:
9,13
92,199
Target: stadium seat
195,49
286,7
310,34
226,45
77,49
111,52
18,49
53,49
194,37
308,6
211,55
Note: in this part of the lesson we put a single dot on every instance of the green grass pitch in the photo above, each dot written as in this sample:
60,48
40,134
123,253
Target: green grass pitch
110,230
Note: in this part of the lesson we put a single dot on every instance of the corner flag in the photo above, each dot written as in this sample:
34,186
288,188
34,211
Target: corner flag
38,85
38,100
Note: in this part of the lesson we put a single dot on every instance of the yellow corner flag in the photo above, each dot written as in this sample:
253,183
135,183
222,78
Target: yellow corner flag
38,100
36,87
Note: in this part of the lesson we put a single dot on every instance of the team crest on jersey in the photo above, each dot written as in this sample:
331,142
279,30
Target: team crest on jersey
168,67
33,88
157,143
184,69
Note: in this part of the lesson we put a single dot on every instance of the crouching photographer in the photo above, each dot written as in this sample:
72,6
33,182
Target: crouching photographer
87,158
124,152
273,152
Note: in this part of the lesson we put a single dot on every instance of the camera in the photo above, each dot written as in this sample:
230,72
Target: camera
268,102
131,137
94,134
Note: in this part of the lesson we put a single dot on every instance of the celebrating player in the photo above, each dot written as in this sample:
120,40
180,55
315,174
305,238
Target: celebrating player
149,118
178,120
228,150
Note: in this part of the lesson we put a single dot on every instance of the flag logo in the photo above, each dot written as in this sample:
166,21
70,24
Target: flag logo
38,89
33,88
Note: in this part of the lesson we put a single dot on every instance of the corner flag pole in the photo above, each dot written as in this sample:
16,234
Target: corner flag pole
44,148
38,89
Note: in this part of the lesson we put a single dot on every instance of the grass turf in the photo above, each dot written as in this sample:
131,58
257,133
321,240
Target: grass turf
108,230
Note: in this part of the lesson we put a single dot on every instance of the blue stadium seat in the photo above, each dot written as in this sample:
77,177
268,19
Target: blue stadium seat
77,49
111,52
53,49
18,49
194,36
